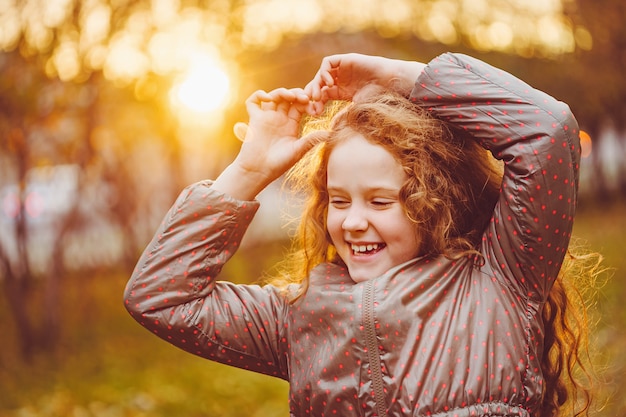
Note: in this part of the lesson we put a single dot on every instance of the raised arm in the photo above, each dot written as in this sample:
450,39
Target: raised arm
537,138
174,292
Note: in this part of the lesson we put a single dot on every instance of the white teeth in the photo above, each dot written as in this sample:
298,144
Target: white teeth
364,248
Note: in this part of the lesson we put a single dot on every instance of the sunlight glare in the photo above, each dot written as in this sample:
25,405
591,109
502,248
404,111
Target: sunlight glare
204,88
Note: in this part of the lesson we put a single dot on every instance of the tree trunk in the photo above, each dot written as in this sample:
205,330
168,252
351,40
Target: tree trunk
16,292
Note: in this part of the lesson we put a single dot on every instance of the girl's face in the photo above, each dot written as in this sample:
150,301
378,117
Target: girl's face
366,221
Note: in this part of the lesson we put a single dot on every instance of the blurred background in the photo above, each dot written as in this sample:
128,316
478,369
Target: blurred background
108,108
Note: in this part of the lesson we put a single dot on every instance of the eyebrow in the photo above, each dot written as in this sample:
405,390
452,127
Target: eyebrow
370,190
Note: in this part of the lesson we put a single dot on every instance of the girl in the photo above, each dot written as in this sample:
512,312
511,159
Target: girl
424,280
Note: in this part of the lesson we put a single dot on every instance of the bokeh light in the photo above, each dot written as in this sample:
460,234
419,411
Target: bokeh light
585,143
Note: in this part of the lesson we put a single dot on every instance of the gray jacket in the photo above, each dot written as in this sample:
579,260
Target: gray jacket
432,337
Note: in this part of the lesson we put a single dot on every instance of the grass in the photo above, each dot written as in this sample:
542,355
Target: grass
107,366
604,229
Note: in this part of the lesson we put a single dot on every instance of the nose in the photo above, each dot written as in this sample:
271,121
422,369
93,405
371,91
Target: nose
355,220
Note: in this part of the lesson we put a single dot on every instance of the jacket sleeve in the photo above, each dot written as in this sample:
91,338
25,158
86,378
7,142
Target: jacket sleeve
173,291
536,137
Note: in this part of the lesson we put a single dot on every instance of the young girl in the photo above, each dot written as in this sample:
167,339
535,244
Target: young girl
424,280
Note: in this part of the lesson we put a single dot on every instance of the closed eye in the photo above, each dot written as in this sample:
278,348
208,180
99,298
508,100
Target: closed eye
339,202
382,203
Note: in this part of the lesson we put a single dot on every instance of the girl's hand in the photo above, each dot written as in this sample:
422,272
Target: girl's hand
353,76
271,145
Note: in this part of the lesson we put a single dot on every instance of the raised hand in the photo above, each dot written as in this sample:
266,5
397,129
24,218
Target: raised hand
352,76
271,144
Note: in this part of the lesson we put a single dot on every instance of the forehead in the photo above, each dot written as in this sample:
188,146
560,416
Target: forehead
356,147
357,160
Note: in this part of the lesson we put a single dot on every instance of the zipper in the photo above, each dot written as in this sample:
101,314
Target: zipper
372,349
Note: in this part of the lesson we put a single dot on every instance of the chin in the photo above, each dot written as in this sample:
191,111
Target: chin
359,278
363,276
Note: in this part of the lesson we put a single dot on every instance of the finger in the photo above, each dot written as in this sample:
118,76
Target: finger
329,94
316,137
317,108
322,80
313,89
282,94
301,96
258,97
279,100
255,101
325,76
284,99
305,143
268,105
317,97
240,129
297,110
328,78
293,95
328,69
275,98
302,105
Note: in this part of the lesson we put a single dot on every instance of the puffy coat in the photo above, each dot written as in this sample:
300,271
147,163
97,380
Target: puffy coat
431,337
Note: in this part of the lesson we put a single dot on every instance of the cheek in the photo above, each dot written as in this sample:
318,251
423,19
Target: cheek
406,235
413,241
333,223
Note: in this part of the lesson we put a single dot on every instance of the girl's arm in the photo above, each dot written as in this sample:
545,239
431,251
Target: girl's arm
537,138
174,291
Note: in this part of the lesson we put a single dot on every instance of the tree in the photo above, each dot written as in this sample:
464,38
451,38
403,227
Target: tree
598,78
30,104
50,127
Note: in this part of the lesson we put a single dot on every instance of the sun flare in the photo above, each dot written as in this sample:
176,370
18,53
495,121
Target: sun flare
204,88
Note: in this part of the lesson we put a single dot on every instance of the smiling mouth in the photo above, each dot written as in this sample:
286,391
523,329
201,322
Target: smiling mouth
366,249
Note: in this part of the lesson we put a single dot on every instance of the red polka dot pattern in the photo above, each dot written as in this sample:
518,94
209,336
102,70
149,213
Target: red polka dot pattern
432,337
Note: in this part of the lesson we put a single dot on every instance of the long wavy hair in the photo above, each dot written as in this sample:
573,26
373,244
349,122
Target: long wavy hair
450,193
